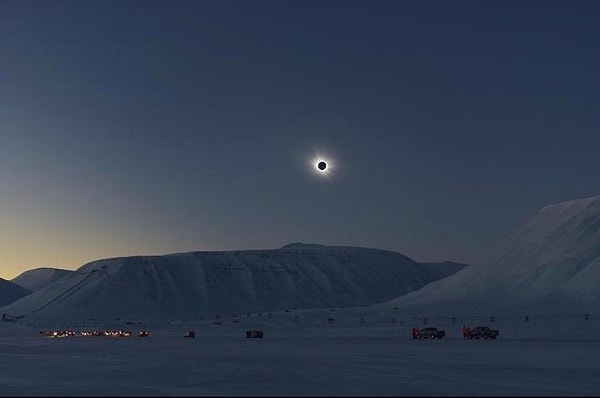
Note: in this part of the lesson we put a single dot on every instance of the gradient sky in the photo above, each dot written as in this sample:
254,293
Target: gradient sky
151,127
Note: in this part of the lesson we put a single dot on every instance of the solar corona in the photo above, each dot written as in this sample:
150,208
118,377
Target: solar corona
322,165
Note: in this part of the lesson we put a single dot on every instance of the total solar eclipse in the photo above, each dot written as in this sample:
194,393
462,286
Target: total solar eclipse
322,165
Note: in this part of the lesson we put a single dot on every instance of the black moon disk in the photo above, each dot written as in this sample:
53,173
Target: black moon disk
322,166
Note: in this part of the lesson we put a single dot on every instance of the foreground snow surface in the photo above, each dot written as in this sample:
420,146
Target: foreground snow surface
307,356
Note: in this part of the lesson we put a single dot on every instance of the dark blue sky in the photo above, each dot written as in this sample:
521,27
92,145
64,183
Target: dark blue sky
149,127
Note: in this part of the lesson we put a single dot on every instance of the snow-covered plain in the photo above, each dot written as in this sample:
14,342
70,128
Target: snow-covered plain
303,353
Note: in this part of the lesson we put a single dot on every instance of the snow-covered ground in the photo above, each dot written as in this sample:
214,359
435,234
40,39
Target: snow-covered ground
304,353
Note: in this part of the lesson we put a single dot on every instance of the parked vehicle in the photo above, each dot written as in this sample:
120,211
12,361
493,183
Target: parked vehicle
482,332
254,334
430,333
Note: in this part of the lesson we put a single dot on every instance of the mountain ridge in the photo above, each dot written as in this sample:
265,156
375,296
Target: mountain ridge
198,283
38,278
548,263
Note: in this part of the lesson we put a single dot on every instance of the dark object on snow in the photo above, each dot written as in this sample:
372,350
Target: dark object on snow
10,318
430,333
191,334
482,332
254,334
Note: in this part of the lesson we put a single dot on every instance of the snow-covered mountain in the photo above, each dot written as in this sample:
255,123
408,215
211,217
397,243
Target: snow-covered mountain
443,269
39,278
222,282
552,263
10,292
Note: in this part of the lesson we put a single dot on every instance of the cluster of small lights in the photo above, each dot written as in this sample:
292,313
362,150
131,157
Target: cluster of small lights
71,333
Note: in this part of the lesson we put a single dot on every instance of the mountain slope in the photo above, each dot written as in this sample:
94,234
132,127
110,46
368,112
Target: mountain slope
551,262
443,269
10,292
208,283
39,278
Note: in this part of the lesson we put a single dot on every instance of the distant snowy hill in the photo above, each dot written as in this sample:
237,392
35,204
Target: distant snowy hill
38,278
10,292
552,263
443,269
208,283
